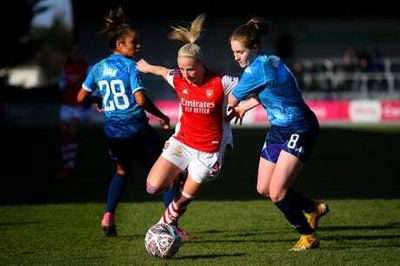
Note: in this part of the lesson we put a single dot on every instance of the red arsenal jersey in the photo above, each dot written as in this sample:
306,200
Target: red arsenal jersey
201,111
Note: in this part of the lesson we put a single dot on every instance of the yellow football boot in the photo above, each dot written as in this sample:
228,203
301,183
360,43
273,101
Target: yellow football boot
306,242
321,209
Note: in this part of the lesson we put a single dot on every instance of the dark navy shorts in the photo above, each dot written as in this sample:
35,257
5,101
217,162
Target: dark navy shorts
297,141
146,147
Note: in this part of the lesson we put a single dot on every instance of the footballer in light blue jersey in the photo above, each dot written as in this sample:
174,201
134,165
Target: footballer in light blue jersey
293,133
277,89
117,79
123,101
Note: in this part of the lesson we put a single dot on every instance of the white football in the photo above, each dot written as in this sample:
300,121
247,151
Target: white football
162,241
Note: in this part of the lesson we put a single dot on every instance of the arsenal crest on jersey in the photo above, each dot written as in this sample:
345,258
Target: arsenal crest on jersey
209,93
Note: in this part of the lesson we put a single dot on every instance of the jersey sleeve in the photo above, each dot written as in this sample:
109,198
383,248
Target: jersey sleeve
171,75
228,83
253,77
89,84
135,79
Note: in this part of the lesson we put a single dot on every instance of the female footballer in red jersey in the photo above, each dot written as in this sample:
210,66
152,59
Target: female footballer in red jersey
71,112
201,135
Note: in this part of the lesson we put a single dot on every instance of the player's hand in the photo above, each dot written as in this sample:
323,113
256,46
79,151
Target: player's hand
98,102
230,113
165,123
142,66
235,112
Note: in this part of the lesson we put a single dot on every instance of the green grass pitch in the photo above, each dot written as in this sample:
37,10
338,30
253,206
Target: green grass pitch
355,170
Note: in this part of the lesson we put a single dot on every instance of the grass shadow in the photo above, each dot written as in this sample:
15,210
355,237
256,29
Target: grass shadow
210,256
345,164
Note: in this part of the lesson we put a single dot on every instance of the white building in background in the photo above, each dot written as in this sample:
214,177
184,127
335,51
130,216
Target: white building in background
32,76
26,77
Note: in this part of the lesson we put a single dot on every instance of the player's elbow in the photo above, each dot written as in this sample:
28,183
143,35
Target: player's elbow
81,96
262,190
140,98
141,101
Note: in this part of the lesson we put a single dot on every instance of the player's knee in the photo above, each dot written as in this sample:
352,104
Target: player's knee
262,191
277,195
152,189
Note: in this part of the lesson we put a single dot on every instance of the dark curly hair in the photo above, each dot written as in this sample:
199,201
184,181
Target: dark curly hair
116,26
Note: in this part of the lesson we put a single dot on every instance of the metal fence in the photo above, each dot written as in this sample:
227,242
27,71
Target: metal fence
334,78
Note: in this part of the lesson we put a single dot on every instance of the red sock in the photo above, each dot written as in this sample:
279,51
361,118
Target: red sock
175,209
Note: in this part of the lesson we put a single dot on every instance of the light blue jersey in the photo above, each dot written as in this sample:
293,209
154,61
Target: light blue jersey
277,88
117,79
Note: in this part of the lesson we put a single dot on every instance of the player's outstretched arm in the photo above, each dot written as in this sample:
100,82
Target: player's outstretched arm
145,67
